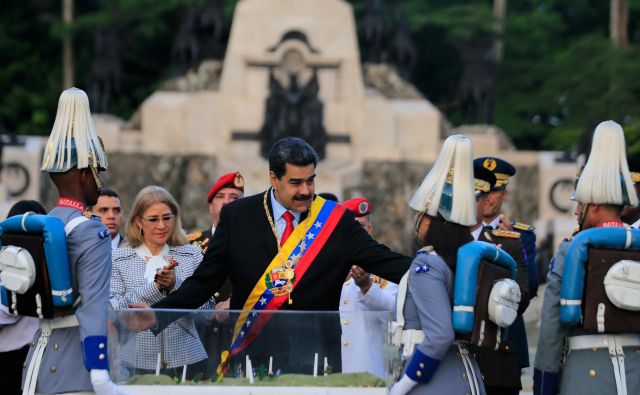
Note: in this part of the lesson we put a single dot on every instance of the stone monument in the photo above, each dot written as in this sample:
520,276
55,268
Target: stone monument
294,68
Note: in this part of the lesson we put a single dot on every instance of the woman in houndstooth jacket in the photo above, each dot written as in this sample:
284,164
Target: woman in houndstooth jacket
156,262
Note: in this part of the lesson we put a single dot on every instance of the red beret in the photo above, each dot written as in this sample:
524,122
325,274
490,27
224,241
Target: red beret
359,206
231,180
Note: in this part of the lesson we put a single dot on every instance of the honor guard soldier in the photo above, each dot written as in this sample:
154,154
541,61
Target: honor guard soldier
500,368
363,335
69,352
590,326
228,188
631,215
494,218
435,362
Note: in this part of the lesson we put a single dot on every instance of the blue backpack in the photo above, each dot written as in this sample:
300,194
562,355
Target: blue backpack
35,278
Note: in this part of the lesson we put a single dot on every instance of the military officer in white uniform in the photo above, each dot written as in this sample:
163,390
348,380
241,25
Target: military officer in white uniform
363,334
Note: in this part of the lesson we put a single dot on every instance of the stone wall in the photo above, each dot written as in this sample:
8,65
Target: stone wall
388,185
188,178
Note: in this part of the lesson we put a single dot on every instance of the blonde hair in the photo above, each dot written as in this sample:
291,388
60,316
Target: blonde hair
147,197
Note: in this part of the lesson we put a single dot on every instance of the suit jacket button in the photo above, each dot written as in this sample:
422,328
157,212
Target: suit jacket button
56,346
216,295
53,369
592,373
419,373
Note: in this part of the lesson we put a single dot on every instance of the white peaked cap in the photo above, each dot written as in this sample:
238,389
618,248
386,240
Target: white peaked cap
73,140
605,178
448,188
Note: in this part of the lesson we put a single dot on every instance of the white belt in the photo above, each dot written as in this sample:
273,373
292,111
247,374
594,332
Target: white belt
615,345
585,342
46,327
409,339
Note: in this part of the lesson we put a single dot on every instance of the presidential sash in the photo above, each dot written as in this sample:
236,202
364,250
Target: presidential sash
282,275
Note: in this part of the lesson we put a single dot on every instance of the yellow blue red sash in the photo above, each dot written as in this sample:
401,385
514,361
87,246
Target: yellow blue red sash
284,272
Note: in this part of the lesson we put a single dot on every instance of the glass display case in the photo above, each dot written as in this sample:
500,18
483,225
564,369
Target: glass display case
234,352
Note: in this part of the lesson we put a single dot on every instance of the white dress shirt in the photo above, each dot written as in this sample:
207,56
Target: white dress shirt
115,241
476,233
494,224
278,210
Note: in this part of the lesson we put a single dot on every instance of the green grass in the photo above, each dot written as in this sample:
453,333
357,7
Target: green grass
285,380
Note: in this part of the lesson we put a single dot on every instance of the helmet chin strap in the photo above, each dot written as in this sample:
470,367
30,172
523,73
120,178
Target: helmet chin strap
583,214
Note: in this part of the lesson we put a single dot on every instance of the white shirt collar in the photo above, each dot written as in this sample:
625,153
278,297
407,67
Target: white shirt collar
493,224
115,242
279,209
213,229
476,233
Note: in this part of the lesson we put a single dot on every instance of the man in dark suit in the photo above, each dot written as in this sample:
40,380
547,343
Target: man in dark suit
109,209
500,368
249,237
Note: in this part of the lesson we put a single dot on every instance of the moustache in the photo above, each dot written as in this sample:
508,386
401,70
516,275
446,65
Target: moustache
302,198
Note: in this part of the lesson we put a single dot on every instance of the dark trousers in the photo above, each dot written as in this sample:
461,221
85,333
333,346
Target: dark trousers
11,364
495,390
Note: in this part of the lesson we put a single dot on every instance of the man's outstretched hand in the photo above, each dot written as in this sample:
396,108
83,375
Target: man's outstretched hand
138,320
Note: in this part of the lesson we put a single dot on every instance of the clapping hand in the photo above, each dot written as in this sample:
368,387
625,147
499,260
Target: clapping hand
166,277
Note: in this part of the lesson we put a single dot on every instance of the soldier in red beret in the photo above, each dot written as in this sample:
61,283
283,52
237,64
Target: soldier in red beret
228,188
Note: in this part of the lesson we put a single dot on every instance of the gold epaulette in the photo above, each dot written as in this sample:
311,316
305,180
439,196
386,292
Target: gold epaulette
427,249
191,237
522,226
505,233
380,281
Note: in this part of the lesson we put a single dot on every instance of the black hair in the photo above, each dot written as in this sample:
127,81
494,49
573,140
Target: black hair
446,238
328,196
109,192
292,150
24,206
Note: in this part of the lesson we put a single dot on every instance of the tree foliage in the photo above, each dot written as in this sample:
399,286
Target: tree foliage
559,74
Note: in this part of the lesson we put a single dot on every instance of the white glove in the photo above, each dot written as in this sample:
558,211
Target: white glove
103,385
404,385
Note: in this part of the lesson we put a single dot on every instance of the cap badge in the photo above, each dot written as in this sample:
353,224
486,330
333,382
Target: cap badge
238,181
363,207
489,164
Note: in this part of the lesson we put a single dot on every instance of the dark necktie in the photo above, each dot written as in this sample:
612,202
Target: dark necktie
288,217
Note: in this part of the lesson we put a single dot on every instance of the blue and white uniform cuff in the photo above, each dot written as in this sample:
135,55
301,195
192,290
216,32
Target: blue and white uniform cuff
95,352
421,367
